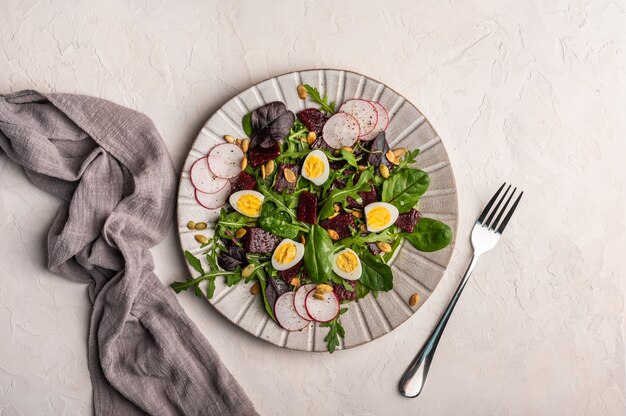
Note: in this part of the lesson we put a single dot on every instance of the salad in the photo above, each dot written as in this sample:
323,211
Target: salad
313,207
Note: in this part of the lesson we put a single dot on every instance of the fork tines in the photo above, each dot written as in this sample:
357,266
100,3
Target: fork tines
498,212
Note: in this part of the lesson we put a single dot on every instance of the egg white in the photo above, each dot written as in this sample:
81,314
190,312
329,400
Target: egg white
393,213
234,199
325,173
299,254
354,274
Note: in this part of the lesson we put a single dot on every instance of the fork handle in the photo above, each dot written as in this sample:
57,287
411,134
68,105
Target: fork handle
413,379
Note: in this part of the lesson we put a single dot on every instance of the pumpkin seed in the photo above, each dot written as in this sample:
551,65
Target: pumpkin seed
347,149
333,235
240,233
311,137
384,171
245,145
263,173
392,157
191,225
399,152
201,226
247,271
295,282
255,289
362,168
301,92
244,163
357,214
229,138
384,247
319,296
269,167
289,175
324,288
414,299
201,239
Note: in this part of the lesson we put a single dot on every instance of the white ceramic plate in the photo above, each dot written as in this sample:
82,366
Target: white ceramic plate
413,271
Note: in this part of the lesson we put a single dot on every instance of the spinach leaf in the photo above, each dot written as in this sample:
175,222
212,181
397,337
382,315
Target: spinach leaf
318,251
317,98
246,123
361,290
278,222
404,188
351,189
376,275
336,331
262,276
429,235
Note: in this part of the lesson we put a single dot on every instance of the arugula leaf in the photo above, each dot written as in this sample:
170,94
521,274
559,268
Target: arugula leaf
429,235
404,189
358,241
376,275
278,222
246,123
284,202
349,157
194,262
317,252
336,331
231,222
408,159
322,101
351,189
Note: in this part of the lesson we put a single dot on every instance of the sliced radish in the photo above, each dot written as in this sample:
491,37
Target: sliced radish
342,129
203,179
381,125
214,200
300,299
225,160
322,310
364,112
286,314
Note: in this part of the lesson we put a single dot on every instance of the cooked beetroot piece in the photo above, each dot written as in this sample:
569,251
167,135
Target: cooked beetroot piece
408,220
258,241
292,272
243,181
343,224
379,148
374,249
367,197
342,293
259,155
282,183
307,207
313,119
336,164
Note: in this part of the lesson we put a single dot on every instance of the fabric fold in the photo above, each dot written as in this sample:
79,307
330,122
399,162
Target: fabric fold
110,167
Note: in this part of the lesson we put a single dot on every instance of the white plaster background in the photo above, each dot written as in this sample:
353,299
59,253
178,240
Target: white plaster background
525,91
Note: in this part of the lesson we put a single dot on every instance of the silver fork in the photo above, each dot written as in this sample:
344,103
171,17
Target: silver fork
485,234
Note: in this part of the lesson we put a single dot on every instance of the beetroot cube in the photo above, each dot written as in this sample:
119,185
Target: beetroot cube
243,181
258,241
313,119
342,293
407,221
259,155
282,183
343,224
291,272
367,197
307,208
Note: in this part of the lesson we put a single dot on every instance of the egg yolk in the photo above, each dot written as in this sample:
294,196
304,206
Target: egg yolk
313,167
249,205
347,261
285,253
378,217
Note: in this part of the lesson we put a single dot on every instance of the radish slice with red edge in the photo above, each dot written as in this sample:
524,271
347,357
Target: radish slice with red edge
215,199
300,299
340,130
286,314
381,125
322,310
225,160
364,112
203,179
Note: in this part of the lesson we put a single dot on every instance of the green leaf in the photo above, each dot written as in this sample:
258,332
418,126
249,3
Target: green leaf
357,242
210,289
376,275
231,222
361,290
194,262
408,159
404,189
278,222
262,277
340,195
336,331
316,97
349,157
246,123
318,250
429,235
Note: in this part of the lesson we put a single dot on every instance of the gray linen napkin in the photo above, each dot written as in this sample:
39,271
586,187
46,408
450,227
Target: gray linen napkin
114,175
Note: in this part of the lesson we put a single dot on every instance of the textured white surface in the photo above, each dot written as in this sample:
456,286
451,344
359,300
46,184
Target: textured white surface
519,90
